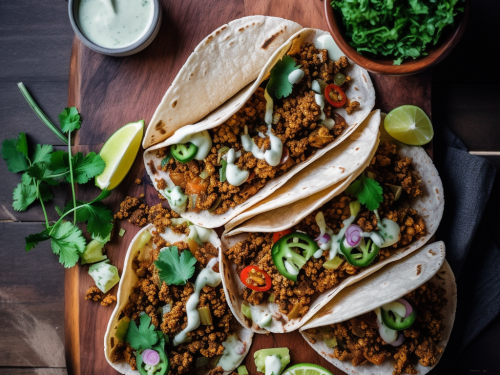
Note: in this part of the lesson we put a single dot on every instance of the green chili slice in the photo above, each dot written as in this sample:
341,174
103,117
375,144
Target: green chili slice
184,152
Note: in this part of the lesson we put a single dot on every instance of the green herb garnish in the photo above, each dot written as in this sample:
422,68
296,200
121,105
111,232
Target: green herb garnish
142,337
43,168
279,86
175,269
400,29
368,191
222,171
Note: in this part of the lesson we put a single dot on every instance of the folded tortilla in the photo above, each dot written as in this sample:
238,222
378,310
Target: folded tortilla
430,206
350,158
388,285
221,65
126,287
360,89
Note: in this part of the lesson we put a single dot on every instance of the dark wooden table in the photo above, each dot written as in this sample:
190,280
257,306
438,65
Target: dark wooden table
35,46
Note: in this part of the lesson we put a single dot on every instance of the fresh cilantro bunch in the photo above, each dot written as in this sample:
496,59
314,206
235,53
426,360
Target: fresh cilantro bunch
401,28
279,86
175,269
368,191
42,168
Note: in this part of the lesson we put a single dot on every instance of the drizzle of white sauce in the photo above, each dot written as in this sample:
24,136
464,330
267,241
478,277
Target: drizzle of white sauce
202,140
389,230
235,176
234,350
206,277
261,318
272,364
176,198
327,42
295,76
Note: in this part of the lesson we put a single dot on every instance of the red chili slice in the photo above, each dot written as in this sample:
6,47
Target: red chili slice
334,103
278,235
260,277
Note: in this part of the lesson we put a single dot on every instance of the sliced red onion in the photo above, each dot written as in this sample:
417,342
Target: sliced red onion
353,235
322,239
399,341
240,348
150,357
284,155
409,308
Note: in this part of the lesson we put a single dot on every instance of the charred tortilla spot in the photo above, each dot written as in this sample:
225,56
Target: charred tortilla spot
419,269
209,39
241,29
357,148
342,169
270,40
151,164
160,128
437,191
432,252
174,103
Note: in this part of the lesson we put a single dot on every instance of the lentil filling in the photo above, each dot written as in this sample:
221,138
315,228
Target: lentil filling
294,298
359,339
295,122
149,296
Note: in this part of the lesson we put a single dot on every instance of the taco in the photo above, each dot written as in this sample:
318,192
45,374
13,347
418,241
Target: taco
213,170
282,266
171,315
395,321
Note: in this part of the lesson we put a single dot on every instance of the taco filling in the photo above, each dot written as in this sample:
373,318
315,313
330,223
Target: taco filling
356,229
177,320
284,122
407,330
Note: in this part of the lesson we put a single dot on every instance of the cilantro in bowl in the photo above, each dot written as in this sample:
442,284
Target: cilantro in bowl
396,28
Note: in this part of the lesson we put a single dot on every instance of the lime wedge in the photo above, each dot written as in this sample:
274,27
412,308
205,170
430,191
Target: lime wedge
410,125
119,153
306,369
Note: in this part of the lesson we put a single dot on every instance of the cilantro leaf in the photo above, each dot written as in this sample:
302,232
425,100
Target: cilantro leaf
368,191
22,144
16,160
24,194
42,153
70,119
85,168
44,192
175,269
142,337
68,242
34,239
279,86
39,171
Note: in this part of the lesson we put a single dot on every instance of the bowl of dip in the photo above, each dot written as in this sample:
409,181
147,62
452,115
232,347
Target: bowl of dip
115,27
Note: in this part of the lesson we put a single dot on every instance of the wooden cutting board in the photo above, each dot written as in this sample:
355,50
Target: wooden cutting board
113,91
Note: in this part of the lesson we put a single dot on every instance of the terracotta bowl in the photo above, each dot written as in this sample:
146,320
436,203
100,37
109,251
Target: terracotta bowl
436,53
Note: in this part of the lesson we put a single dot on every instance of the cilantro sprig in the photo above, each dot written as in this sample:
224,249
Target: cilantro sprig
368,191
175,269
279,86
144,336
42,168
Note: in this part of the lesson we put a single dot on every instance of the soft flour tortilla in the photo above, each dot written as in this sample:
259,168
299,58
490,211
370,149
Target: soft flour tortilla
360,89
126,287
392,283
222,64
429,205
349,158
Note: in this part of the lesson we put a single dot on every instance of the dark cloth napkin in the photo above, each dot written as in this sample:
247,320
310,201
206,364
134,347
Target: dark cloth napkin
466,229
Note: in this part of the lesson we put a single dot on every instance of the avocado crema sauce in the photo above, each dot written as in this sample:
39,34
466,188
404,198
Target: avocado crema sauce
115,23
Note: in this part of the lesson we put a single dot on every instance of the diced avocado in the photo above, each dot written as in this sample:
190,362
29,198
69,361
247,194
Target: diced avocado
245,309
93,252
396,191
144,239
334,263
121,232
105,275
122,328
260,357
242,370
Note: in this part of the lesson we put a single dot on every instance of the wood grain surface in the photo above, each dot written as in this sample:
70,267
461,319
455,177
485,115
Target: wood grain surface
35,45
